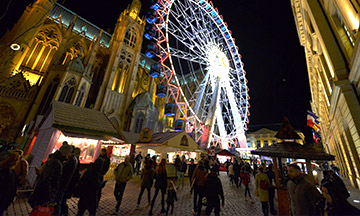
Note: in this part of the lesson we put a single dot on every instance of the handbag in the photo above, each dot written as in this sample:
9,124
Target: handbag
42,210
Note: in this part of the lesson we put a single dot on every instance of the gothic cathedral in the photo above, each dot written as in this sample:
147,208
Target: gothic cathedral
52,54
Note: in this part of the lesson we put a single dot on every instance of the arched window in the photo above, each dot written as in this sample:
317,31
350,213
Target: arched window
76,50
80,96
40,53
139,120
130,37
117,79
124,77
67,91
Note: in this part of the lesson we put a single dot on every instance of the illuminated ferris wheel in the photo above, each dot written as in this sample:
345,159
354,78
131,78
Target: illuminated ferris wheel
202,69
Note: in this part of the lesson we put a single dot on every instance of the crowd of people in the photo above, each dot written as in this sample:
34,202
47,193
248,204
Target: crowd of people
60,178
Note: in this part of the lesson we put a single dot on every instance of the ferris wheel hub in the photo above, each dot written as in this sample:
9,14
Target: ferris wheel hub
217,60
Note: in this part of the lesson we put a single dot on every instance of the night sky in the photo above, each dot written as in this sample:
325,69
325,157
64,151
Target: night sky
266,35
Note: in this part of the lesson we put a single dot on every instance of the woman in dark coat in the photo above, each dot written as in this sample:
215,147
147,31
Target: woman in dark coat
147,178
90,184
160,184
336,200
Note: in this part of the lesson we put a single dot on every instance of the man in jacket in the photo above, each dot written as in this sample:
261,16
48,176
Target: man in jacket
304,194
123,173
213,192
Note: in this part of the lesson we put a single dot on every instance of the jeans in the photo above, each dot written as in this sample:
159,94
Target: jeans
119,192
265,208
247,189
213,204
199,191
169,204
141,193
163,191
180,176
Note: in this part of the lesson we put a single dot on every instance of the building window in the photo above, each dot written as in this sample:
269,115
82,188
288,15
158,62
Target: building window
266,143
67,91
139,120
39,55
258,144
130,37
80,96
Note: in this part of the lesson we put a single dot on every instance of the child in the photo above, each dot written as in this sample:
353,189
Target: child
171,197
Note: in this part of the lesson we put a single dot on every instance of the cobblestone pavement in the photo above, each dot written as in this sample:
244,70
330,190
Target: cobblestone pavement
235,203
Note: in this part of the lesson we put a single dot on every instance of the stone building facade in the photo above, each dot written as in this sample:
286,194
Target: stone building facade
329,32
52,54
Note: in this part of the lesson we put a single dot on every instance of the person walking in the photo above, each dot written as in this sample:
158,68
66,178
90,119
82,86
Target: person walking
271,175
8,179
192,167
123,173
232,174
138,160
199,186
303,194
171,197
213,192
132,161
90,183
160,184
262,183
103,171
336,201
147,177
182,167
73,182
245,175
68,170
49,180
237,173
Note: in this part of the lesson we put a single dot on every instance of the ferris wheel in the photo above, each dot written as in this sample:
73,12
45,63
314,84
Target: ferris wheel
202,69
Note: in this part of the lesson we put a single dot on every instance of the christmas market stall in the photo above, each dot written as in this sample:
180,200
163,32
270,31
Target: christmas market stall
168,145
289,148
84,128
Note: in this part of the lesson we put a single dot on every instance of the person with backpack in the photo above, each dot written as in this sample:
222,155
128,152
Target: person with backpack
262,183
123,173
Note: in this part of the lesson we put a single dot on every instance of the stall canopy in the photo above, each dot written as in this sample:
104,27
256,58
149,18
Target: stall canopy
82,122
171,141
225,152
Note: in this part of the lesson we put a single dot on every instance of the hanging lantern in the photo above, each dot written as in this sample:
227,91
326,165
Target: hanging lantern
170,109
161,90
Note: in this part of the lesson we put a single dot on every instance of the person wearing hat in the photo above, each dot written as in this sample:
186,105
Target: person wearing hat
213,192
49,180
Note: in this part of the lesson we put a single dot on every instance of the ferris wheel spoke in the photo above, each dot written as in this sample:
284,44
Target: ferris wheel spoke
187,56
184,37
186,21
